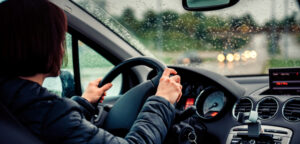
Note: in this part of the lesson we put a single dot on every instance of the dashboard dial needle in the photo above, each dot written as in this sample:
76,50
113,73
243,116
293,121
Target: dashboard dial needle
214,105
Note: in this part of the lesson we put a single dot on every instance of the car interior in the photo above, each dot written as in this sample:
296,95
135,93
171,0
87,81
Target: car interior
235,91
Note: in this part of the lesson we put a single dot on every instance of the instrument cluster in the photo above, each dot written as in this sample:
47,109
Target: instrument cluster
208,99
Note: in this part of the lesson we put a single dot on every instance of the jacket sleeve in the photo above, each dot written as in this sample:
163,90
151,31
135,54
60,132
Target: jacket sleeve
86,107
151,126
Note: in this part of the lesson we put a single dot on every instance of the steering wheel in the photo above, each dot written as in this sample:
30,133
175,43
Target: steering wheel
124,112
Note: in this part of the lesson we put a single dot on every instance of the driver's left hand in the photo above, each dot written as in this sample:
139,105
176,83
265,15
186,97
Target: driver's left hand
93,92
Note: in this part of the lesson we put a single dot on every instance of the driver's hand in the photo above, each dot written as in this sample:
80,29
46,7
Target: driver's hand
93,93
169,87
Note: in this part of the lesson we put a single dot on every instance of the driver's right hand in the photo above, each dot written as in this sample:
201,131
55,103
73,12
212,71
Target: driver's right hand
169,87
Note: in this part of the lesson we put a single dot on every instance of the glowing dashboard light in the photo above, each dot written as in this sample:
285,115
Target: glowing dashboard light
221,57
213,114
189,102
253,54
282,83
237,56
230,57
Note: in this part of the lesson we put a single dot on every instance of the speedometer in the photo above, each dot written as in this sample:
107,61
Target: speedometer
210,103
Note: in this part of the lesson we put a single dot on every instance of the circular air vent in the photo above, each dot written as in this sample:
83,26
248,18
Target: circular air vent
291,110
267,108
243,105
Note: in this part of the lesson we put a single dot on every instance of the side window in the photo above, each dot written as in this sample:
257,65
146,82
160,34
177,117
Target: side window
63,85
93,65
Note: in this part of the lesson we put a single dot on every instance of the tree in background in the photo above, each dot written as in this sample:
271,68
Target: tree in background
129,20
190,30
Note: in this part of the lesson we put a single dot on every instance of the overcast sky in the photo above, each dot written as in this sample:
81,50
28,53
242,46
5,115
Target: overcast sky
261,10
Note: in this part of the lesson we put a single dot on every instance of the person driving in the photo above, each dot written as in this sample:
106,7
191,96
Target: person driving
32,34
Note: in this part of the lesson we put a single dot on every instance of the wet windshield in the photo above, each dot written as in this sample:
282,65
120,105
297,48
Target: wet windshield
245,39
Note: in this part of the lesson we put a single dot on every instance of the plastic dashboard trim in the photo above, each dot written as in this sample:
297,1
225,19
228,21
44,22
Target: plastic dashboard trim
233,87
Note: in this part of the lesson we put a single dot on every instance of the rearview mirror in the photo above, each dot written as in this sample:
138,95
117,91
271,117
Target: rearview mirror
206,5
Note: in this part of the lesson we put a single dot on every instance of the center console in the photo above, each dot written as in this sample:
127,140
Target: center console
268,135
282,82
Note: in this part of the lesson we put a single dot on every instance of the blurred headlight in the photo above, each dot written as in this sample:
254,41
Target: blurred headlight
221,57
237,56
247,54
230,57
253,54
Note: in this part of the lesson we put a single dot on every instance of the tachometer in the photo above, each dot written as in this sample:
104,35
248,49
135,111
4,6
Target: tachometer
210,103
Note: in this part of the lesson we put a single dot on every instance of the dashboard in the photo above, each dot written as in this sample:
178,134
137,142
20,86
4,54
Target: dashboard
221,103
209,98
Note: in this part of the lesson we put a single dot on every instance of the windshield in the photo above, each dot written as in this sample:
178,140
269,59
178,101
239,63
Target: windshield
247,38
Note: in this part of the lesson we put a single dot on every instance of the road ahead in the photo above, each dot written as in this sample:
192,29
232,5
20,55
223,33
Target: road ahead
252,66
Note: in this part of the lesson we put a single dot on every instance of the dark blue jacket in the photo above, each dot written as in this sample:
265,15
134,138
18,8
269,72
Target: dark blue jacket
58,120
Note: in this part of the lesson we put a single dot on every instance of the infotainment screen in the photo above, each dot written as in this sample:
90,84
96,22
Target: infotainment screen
285,79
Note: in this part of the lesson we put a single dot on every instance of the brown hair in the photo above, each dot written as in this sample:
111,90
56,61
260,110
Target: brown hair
32,33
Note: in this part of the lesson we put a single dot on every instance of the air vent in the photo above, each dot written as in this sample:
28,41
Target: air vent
267,108
243,105
291,109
